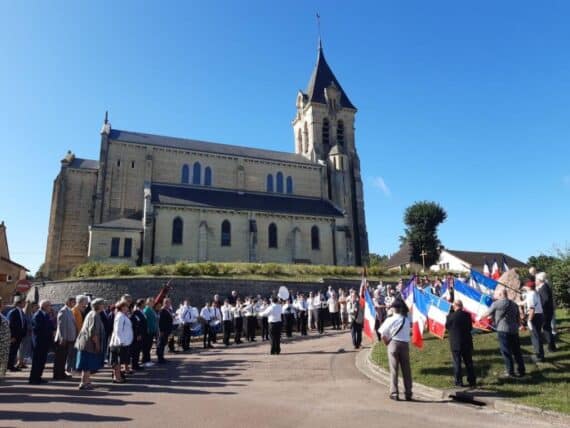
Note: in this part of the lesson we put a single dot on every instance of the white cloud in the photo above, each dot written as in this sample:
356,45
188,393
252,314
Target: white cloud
380,184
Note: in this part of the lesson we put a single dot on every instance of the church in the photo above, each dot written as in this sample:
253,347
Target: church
155,199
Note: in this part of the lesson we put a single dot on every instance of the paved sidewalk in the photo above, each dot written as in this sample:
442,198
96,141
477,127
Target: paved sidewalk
313,383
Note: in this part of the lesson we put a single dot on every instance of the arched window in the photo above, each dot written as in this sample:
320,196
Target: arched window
315,239
326,131
272,232
196,172
185,174
207,176
177,230
226,233
279,184
340,132
299,141
269,183
305,138
289,184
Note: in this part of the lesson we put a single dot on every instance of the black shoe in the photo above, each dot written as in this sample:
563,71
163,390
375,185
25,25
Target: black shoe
37,382
163,361
14,369
409,398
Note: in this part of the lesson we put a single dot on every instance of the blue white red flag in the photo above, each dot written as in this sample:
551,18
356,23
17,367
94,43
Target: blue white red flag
408,292
369,315
437,314
486,269
482,283
505,265
496,272
475,303
419,317
428,310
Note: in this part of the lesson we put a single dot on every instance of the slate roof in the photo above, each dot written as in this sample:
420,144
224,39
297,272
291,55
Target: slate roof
186,195
204,146
321,78
477,258
401,257
79,163
120,223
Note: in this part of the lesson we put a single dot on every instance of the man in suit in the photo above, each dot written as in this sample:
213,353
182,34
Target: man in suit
18,330
165,326
545,294
138,321
42,338
459,326
64,339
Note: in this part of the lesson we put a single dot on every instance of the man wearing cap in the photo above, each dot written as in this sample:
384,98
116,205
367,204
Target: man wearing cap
18,330
42,338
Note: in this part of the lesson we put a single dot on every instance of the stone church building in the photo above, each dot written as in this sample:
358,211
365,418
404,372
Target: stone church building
156,199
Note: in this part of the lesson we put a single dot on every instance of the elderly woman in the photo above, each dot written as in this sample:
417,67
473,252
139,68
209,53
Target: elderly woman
4,341
121,339
89,344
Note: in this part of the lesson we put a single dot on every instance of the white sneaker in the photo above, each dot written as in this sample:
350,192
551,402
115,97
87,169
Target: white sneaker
149,364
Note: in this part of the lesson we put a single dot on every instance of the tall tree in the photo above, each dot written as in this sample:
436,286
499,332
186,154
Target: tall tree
422,220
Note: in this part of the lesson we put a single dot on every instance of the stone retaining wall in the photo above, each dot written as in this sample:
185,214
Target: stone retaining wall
197,290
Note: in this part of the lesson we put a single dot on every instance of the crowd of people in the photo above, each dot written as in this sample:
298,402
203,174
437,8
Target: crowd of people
85,333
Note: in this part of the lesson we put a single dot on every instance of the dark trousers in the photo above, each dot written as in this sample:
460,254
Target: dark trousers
289,325
160,345
61,352
207,335
13,353
321,321
264,328
335,320
251,324
356,332
303,322
536,335
227,331
298,323
147,345
547,333
186,333
377,324
239,329
275,333
467,357
510,347
39,358
136,349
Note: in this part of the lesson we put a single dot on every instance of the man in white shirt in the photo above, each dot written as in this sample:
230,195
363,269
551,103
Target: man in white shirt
273,314
334,311
206,318
314,303
251,320
215,320
395,333
184,315
227,316
302,307
534,310
238,319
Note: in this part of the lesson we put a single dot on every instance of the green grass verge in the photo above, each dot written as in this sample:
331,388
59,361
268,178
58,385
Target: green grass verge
546,385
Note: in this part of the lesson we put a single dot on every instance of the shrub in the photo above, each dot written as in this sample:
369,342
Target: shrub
209,269
559,276
156,270
122,269
183,269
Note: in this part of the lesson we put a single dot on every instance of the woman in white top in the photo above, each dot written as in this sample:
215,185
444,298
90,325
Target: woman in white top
395,333
535,314
121,339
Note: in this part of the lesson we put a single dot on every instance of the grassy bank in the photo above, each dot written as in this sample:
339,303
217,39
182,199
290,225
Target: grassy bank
274,271
546,385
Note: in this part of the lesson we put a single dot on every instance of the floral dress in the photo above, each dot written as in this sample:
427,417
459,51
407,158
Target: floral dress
4,344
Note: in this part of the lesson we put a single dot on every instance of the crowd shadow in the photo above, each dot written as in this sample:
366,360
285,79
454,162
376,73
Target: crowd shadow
27,416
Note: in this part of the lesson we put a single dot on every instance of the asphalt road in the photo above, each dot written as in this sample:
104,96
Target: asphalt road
313,383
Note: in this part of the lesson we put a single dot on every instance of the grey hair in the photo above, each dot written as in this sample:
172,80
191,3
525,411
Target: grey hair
44,302
541,277
81,299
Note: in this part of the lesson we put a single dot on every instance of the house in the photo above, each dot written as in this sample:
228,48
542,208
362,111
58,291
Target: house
463,261
10,271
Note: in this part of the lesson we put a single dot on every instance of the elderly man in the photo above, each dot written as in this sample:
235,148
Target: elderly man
18,330
505,315
42,338
459,326
545,293
65,336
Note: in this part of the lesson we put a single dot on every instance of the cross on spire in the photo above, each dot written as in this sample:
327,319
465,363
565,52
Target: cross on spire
319,31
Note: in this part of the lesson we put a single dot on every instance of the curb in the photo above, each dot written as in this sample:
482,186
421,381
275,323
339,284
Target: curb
376,373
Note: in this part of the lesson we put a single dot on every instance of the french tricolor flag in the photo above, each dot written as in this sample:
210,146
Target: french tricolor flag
369,315
486,270
437,314
431,310
474,302
482,283
419,317
496,272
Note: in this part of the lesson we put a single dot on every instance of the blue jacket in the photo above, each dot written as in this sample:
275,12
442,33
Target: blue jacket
42,330
18,324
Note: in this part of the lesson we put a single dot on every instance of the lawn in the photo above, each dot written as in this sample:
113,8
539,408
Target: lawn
546,385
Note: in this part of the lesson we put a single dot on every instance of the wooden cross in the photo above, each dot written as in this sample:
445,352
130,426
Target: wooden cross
423,254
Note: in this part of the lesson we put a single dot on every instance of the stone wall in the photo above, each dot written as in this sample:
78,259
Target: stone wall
197,290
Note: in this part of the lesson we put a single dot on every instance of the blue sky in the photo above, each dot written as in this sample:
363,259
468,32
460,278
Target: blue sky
463,103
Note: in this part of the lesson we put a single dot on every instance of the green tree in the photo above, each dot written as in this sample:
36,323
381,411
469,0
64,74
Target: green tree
422,220
559,277
542,262
376,259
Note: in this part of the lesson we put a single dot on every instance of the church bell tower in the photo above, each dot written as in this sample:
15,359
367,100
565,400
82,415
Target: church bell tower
324,132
